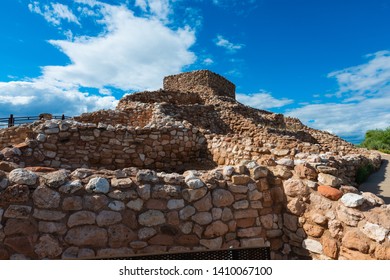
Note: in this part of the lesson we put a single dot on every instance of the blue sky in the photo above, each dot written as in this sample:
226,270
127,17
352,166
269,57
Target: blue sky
326,62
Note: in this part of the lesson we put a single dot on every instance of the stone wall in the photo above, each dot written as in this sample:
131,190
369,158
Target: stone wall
201,81
88,214
70,144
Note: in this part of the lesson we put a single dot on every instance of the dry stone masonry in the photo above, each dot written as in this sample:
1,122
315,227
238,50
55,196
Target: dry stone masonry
181,169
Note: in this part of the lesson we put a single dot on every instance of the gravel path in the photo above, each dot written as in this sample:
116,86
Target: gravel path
379,182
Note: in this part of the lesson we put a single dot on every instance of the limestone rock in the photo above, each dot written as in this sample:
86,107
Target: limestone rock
121,183
212,244
350,216
44,197
259,172
136,204
202,218
329,180
204,204
175,204
151,218
146,233
116,205
98,185
48,215
81,218
186,212
222,198
374,231
352,200
194,183
194,194
55,179
312,245
105,218
372,199
306,171
71,187
295,187
22,176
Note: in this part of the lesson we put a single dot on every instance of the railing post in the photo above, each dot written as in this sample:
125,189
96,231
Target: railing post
11,120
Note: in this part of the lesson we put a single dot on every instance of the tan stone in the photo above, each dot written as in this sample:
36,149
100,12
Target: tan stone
295,187
347,254
105,218
241,179
88,235
18,212
72,203
245,223
204,204
188,240
120,236
48,215
249,232
45,197
250,213
349,216
306,171
47,247
222,198
151,218
212,244
81,218
355,240
313,230
194,194
216,229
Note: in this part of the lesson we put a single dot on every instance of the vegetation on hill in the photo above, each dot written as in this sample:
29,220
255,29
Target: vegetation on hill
377,139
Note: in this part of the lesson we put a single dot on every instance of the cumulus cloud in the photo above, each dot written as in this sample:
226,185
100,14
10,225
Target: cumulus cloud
262,100
220,41
53,13
158,8
130,53
365,100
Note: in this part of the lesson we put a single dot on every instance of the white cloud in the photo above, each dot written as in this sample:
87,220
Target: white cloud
365,105
130,53
37,96
229,46
54,13
262,100
161,9
208,61
134,54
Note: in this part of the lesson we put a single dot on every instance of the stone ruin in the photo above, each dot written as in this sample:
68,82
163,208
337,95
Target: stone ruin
185,168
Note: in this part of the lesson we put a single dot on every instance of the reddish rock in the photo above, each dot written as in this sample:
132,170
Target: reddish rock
15,193
216,229
52,227
188,240
129,218
120,236
246,222
250,213
48,215
20,227
330,192
249,232
161,239
72,203
382,252
329,246
22,244
173,218
42,169
156,204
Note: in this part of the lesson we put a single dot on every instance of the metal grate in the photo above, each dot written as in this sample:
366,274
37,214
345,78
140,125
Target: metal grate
261,253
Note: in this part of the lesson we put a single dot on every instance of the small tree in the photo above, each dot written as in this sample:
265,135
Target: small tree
377,139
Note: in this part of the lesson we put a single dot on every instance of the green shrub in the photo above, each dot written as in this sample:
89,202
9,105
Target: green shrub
377,139
363,173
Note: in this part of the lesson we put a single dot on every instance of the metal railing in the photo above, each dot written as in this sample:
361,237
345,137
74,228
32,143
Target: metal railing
14,121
